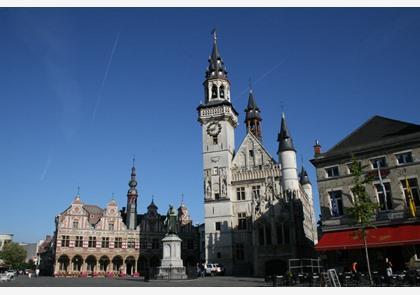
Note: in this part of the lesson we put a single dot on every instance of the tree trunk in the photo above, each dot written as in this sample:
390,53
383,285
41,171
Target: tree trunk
367,256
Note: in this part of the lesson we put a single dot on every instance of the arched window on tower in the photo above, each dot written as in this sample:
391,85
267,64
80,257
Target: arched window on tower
214,91
222,91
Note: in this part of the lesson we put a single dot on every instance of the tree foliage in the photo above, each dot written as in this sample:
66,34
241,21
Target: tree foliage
364,209
13,254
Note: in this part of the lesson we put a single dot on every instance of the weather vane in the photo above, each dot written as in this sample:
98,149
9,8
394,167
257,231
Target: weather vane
78,190
213,32
134,159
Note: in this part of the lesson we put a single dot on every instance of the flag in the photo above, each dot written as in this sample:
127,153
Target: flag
411,204
382,185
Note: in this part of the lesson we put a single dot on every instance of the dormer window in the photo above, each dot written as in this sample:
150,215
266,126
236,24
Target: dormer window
75,224
214,91
222,91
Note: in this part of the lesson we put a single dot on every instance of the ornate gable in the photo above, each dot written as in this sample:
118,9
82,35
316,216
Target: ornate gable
252,154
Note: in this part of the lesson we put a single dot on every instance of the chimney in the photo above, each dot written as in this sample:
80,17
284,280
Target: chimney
317,148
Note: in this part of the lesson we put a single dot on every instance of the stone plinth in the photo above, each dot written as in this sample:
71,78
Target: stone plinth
171,265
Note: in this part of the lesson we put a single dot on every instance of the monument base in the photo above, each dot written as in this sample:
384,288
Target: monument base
171,273
171,265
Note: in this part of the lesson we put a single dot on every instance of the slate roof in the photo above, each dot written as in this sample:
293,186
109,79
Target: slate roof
377,130
284,138
95,213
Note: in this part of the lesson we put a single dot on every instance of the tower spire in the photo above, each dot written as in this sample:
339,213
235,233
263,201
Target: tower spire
253,115
216,68
284,138
132,200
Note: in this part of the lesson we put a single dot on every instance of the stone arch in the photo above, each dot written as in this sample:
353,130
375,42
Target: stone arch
91,263
63,262
117,263
104,263
77,261
130,263
214,91
222,91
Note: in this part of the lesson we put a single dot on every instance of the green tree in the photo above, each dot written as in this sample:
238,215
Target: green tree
13,254
364,209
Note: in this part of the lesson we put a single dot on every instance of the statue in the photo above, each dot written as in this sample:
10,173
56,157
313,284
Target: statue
170,222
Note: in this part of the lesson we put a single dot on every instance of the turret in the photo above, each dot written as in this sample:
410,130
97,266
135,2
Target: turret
253,117
287,158
131,219
305,183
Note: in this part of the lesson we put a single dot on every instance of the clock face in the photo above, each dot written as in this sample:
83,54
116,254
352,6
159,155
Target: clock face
214,129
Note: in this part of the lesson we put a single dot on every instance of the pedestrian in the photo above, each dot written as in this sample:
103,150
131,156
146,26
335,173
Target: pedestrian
354,271
388,270
37,272
198,269
203,270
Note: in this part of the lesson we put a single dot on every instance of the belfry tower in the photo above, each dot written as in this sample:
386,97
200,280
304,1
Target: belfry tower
218,121
132,195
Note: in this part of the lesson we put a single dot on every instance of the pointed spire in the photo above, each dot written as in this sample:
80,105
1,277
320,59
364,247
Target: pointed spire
284,137
216,68
304,179
253,115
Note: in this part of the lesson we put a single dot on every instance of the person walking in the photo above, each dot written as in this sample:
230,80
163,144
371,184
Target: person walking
37,272
388,271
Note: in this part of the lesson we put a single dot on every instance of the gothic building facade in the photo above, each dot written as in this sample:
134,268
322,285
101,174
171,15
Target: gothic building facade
91,240
258,211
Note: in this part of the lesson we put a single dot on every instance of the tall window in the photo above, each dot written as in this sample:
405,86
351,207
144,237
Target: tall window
251,153
190,244
385,199
279,232
242,221
404,158
111,226
256,191
65,241
412,182
216,196
214,91
155,244
332,171
381,161
261,235
336,201
75,224
79,242
268,234
222,91
131,243
92,242
105,242
118,243
240,253
240,193
218,225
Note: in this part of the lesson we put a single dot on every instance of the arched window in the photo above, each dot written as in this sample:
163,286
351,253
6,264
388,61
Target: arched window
222,91
214,91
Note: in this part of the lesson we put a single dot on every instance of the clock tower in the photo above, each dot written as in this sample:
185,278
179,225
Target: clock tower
218,120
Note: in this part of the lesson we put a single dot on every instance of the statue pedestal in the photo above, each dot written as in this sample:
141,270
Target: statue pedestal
171,265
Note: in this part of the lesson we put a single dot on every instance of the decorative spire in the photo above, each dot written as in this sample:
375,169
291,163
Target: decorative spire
216,68
284,137
304,179
253,115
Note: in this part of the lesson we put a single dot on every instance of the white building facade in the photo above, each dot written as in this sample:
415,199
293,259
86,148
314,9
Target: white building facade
258,211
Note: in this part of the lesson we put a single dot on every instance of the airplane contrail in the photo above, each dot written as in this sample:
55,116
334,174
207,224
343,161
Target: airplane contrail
108,66
46,167
263,76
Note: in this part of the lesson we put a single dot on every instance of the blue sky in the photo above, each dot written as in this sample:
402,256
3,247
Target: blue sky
83,90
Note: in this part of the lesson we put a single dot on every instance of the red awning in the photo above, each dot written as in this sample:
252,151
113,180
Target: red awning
376,237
